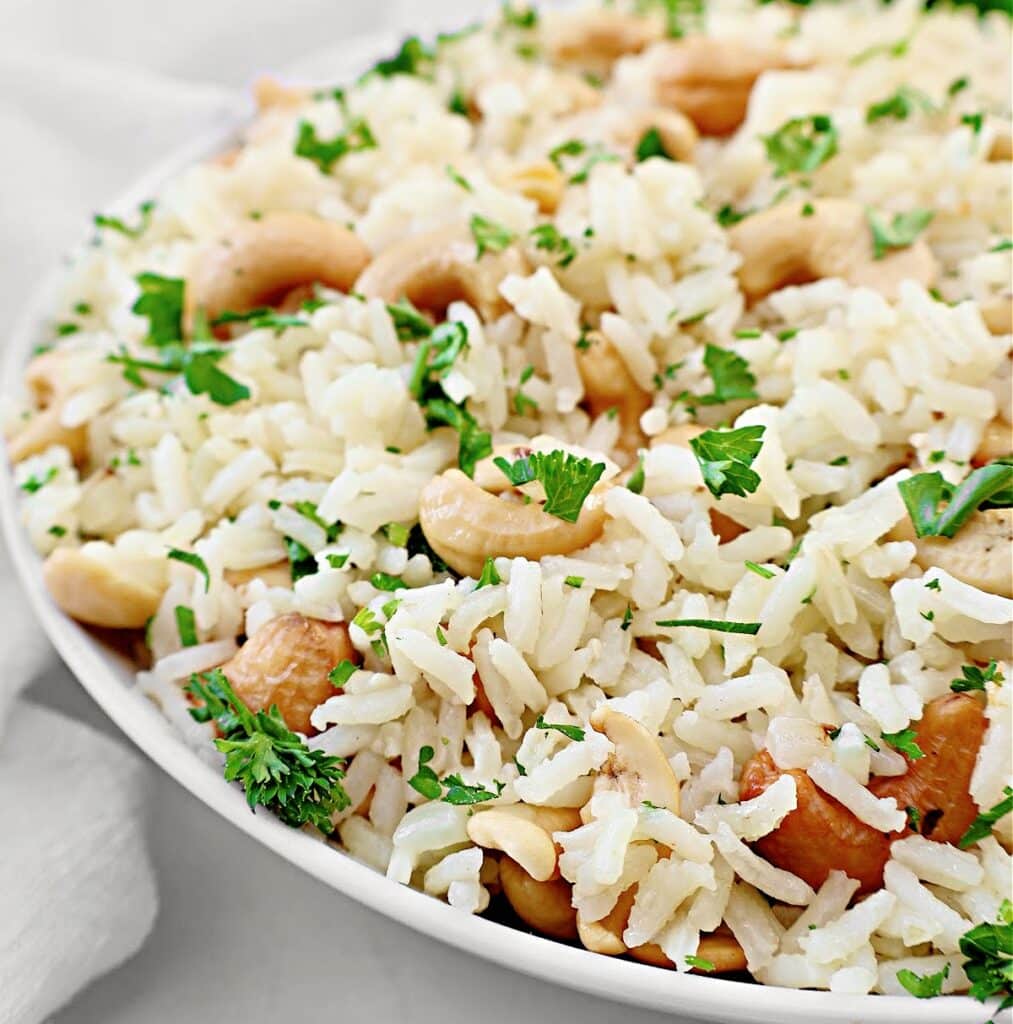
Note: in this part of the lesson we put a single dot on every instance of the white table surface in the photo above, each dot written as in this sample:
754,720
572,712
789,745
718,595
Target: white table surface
241,935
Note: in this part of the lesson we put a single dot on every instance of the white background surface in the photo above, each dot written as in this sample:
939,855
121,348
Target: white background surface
86,89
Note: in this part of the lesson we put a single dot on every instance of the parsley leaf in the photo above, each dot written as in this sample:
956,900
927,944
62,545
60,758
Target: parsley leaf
905,101
975,678
651,144
161,301
718,625
325,153
572,732
759,570
923,493
409,323
204,377
458,179
186,625
101,220
489,236
549,238
699,962
414,58
728,215
272,764
34,483
385,581
982,825
300,560
425,780
490,577
341,673
731,376
801,145
473,443
904,741
638,477
725,458
567,479
989,951
899,233
923,986
519,17
193,560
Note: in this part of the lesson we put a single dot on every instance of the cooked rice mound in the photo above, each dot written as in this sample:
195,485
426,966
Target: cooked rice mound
583,248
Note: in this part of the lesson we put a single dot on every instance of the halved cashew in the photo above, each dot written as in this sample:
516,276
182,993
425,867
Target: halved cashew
439,267
520,839
998,315
996,442
286,662
44,429
719,948
263,259
638,766
117,593
821,835
279,574
540,180
544,906
978,555
606,935
710,79
596,39
465,525
608,384
268,92
780,247
678,133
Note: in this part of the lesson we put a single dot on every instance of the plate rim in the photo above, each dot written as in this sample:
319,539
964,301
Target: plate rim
108,683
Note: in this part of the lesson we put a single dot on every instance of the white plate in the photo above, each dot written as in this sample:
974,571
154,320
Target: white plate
108,677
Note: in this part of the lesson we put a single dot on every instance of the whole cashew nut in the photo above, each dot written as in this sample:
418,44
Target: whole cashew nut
262,260
608,384
520,839
780,247
978,555
116,593
466,525
638,766
821,835
596,39
286,662
543,906
437,268
710,79
44,377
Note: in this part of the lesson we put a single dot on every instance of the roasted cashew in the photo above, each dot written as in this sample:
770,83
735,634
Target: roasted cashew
1001,149
719,948
520,839
780,247
638,766
117,593
286,662
996,442
606,935
263,259
44,429
608,384
439,267
540,180
268,92
678,133
978,555
710,79
998,314
465,525
821,835
596,39
542,906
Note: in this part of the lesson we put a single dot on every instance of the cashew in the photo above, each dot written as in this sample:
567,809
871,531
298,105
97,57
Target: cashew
1001,149
286,662
268,92
609,384
44,429
596,39
606,935
638,766
522,840
543,906
720,948
263,259
978,555
821,835
996,441
678,133
710,79
120,593
780,247
540,180
465,525
437,268
279,574
998,315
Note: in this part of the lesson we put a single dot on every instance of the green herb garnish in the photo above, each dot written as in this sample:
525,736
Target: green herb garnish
725,458
567,479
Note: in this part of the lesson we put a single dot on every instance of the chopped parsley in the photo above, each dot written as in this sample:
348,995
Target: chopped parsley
161,301
186,625
409,323
458,179
718,625
973,121
725,458
522,402
728,215
567,479
651,144
572,732
900,232
365,619
427,782
574,581
594,154
759,570
57,531
627,619
989,951
397,534
548,238
638,477
974,678
982,825
336,561
923,493
914,817
144,211
384,581
731,376
262,316
904,102
473,443
801,145
341,673
905,742
193,560
325,153
301,561
923,986
489,236
519,17
413,58
35,483
897,48
489,577
699,962
272,764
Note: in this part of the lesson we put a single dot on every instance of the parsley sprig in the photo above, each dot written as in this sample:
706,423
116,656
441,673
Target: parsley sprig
974,678
567,479
272,764
982,825
926,986
452,789
730,374
897,233
725,458
989,951
801,145
924,494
